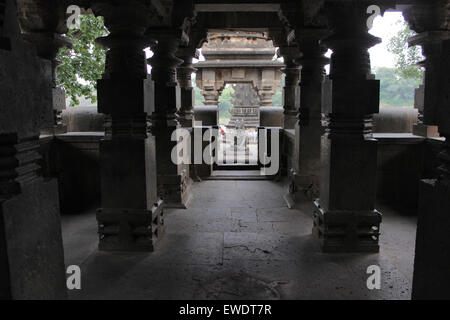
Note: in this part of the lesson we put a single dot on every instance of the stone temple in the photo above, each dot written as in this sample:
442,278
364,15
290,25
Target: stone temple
245,106
339,184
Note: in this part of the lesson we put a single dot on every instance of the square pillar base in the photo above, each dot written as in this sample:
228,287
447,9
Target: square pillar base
130,229
347,231
301,189
31,255
423,130
431,278
175,190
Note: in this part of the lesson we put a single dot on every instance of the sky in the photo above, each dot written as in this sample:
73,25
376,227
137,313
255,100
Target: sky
384,27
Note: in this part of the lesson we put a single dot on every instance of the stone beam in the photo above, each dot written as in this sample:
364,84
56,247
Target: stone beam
237,7
256,21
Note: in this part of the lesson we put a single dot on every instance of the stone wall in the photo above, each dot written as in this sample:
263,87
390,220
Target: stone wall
403,160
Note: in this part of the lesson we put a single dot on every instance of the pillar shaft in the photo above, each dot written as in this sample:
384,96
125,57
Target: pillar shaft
173,180
345,219
309,126
130,218
184,72
31,249
431,43
47,38
290,90
431,278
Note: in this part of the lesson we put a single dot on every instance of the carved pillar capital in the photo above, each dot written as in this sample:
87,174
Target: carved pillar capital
184,77
43,23
292,78
185,69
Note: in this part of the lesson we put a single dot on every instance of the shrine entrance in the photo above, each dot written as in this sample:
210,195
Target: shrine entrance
238,120
239,74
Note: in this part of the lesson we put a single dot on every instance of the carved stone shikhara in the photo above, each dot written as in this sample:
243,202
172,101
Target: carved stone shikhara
245,107
238,57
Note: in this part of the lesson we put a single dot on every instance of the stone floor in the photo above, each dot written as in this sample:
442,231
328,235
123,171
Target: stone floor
239,241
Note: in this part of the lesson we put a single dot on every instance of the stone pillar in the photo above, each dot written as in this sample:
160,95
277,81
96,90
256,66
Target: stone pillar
291,101
345,219
184,72
430,42
5,43
131,216
308,129
173,182
31,249
267,86
431,278
211,87
431,264
45,35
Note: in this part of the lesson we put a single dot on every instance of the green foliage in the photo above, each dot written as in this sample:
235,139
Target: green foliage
277,98
406,57
84,64
394,90
199,99
225,104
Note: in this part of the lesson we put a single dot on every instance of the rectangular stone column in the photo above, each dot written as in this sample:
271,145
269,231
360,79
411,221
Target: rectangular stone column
309,129
131,218
432,260
421,129
345,219
131,215
31,249
198,167
173,180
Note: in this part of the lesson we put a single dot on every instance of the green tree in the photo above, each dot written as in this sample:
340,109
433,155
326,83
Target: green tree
84,63
277,98
395,91
406,58
199,99
225,104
